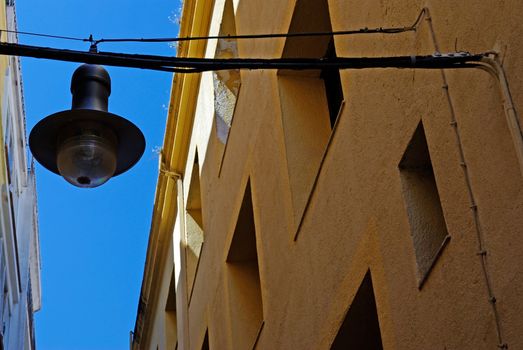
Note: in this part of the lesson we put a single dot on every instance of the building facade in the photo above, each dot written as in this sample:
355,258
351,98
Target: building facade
351,209
20,283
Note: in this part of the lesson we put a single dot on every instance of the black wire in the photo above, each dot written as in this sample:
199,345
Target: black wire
195,65
261,36
391,30
248,36
380,30
43,35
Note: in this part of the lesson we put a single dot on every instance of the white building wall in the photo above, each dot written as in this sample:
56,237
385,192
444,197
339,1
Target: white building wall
20,285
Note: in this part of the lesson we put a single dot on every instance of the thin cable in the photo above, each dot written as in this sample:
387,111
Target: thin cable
44,35
261,36
380,30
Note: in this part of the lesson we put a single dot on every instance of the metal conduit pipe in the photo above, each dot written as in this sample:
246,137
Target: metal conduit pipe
494,67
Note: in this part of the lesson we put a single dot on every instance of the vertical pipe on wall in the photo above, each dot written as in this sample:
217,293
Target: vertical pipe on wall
493,66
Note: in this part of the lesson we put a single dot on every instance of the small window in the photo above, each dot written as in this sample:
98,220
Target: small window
332,82
171,335
205,344
360,328
193,226
244,278
310,101
226,83
422,201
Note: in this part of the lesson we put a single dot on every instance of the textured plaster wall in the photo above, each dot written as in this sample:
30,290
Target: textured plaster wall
356,219
161,337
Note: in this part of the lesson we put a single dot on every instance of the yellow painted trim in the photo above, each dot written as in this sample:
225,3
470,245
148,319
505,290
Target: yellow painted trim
196,19
185,92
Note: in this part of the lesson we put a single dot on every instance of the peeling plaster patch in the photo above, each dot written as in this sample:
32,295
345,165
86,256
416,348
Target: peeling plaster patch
226,86
226,83
227,47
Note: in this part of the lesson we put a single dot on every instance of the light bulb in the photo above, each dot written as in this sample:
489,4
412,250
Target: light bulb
86,160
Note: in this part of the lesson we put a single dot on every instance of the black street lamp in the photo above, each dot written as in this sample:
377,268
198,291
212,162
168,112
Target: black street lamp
87,145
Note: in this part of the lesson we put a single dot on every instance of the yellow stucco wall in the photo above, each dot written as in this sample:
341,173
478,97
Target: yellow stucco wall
314,253
162,320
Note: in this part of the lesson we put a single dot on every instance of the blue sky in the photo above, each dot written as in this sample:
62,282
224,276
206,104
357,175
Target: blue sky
93,241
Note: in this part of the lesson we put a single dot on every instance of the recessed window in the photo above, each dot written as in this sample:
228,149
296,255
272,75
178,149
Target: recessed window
310,101
205,344
244,278
422,201
332,82
227,82
193,226
171,335
360,328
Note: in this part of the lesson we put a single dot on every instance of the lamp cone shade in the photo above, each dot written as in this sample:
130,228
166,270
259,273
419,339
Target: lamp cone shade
88,119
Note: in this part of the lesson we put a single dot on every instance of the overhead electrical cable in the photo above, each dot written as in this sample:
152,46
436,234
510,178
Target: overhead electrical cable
44,35
392,30
195,65
365,30
260,36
